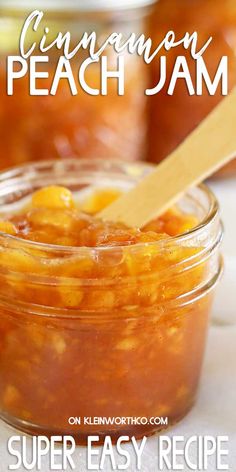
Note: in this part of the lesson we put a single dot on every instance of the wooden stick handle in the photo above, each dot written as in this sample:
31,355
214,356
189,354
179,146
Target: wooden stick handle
209,147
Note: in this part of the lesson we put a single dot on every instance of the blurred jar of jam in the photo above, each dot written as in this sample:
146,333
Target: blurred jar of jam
61,126
172,118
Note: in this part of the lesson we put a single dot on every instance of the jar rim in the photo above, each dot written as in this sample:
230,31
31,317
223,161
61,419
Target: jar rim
74,5
16,174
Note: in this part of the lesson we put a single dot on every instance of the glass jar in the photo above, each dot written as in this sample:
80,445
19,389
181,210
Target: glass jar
79,338
172,118
82,125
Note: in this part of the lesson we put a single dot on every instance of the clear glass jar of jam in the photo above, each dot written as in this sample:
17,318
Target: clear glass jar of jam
67,125
173,117
99,320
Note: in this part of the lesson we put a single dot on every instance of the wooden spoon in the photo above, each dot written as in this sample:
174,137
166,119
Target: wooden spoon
207,148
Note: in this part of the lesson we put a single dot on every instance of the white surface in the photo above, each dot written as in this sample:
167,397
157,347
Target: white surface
224,311
215,411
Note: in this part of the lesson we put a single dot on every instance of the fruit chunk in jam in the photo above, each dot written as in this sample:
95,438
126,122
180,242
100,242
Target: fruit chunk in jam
52,217
98,329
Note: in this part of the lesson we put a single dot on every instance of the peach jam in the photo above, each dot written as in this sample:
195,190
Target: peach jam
99,320
82,124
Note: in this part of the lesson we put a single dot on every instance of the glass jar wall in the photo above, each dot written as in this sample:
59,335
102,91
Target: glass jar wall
102,331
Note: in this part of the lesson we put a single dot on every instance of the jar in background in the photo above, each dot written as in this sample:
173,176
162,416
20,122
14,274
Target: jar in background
61,126
172,118
98,332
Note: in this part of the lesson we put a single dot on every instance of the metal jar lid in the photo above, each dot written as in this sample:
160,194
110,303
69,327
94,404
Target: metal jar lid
74,5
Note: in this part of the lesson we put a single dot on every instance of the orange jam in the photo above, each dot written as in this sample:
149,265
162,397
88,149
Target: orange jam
68,125
52,217
85,124
170,117
98,319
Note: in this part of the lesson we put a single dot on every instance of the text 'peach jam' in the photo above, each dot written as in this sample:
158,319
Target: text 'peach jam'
100,320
